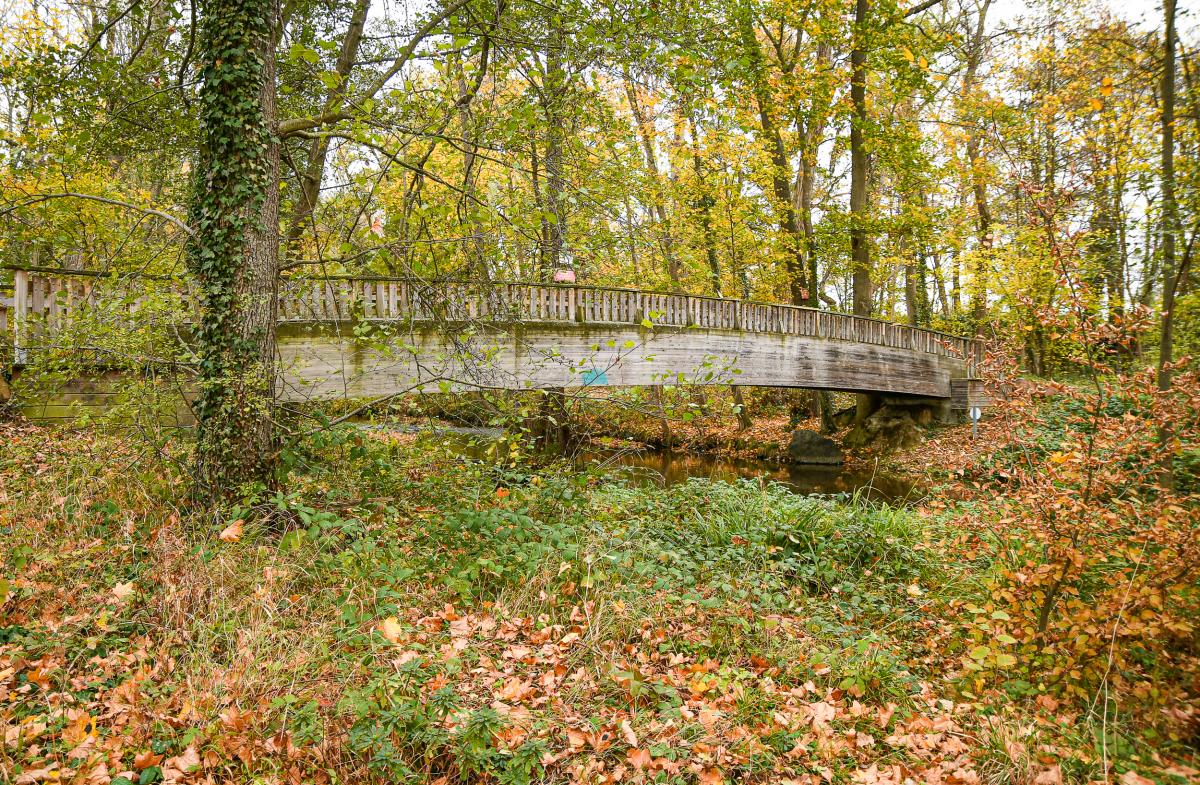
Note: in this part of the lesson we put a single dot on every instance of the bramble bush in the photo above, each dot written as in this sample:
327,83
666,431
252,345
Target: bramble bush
1093,589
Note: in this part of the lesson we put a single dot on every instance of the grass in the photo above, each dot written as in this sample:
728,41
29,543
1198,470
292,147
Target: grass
423,618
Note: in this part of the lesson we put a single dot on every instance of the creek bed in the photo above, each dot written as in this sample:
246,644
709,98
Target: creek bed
665,467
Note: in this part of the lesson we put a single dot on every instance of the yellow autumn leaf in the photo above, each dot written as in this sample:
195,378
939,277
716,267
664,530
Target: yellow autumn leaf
1106,86
79,729
391,630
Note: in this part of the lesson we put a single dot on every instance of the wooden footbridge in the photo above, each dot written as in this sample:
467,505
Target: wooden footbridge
362,338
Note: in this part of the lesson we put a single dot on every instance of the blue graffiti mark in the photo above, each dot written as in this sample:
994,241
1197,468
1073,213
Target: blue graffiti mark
593,376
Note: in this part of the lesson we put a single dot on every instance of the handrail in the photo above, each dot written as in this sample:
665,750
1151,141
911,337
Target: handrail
429,282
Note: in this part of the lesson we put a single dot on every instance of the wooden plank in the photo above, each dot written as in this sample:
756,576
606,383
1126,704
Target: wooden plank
55,315
37,302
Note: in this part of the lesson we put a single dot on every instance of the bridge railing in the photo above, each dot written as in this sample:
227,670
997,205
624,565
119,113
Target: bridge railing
42,302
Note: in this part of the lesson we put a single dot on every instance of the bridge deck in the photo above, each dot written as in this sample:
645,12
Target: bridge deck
344,336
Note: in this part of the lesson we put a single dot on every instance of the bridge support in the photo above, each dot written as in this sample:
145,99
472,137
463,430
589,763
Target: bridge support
550,426
941,409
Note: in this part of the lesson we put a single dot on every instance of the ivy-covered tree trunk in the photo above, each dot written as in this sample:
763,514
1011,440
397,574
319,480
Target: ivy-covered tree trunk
235,252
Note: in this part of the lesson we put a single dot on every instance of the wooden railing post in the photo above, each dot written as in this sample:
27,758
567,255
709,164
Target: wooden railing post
20,314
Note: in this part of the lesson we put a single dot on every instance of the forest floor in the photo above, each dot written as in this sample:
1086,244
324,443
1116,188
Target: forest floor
403,614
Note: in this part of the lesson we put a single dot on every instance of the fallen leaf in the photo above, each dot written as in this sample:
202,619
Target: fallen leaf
35,775
639,759
627,731
234,720
144,760
123,591
79,730
232,532
185,762
515,690
391,629
577,739
885,714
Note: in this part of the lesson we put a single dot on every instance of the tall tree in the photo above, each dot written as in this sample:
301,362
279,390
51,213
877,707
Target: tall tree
1170,208
234,254
860,250
976,166
1170,223
318,149
772,139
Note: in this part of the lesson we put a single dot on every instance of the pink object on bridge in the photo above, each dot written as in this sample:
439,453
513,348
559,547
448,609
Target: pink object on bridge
564,276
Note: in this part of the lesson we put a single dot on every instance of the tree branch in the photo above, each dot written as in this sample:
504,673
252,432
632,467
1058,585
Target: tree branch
103,200
919,7
288,127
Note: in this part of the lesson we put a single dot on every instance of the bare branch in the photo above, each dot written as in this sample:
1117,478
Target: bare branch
919,7
288,127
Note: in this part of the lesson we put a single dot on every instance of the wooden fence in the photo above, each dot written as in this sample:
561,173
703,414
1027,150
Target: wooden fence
39,302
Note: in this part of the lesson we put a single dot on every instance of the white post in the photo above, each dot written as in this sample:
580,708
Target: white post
20,313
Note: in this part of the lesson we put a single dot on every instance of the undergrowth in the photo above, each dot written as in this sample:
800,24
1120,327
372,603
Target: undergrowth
422,617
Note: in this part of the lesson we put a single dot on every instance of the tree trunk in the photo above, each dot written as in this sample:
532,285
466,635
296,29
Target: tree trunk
806,180
554,94
976,164
703,204
235,253
551,426
910,291
780,177
656,396
1170,223
646,135
468,209
743,416
318,151
860,252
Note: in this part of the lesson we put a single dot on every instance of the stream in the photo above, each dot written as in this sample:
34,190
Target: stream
665,467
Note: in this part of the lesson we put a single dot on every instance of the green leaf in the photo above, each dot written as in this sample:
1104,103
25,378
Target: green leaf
299,52
980,652
292,540
1006,660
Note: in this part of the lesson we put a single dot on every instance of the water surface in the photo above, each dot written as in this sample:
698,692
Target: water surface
665,467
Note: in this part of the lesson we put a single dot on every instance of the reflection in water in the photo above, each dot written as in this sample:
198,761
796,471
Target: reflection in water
667,467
